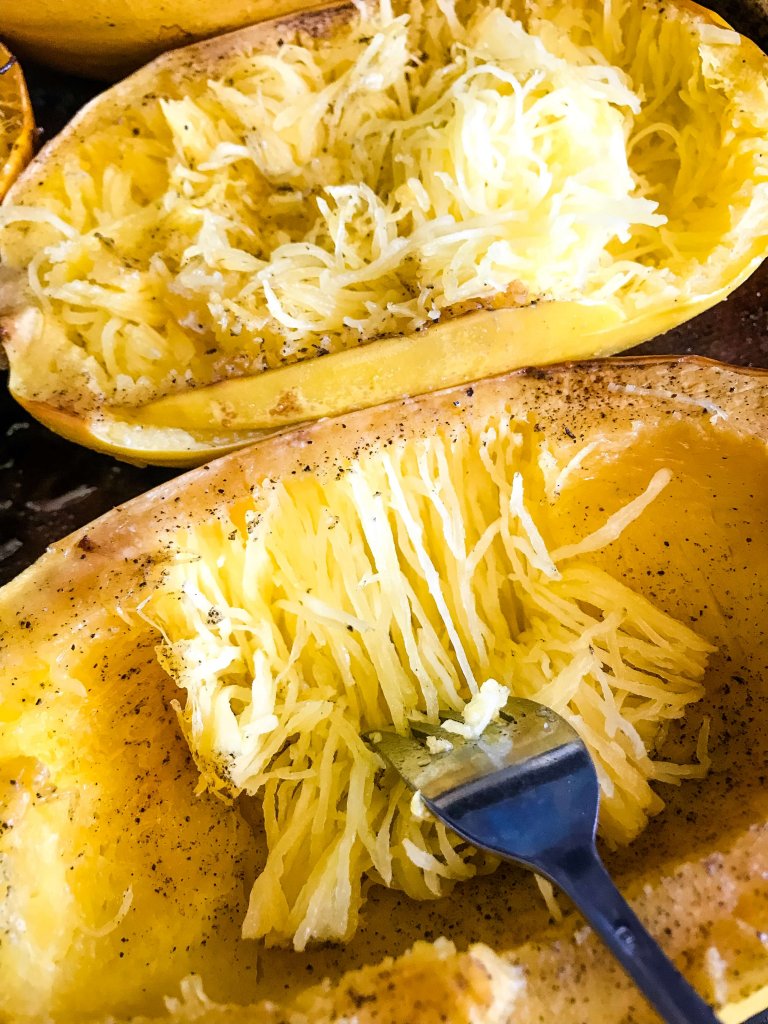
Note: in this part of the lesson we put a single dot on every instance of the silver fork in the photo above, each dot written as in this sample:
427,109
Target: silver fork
527,790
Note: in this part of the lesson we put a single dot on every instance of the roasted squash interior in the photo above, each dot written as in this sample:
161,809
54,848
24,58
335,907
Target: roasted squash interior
307,197
137,882
416,579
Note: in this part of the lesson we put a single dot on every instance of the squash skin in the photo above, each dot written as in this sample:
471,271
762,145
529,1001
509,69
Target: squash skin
448,354
703,878
105,39
187,428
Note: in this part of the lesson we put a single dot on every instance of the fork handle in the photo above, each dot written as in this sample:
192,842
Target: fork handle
583,878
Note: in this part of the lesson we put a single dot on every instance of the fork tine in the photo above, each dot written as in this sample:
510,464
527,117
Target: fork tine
407,755
515,736
422,728
435,772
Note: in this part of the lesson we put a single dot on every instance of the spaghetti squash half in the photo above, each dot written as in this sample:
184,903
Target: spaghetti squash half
304,217
589,535
17,123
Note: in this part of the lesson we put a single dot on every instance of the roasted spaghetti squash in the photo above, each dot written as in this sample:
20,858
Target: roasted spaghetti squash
17,124
305,217
592,535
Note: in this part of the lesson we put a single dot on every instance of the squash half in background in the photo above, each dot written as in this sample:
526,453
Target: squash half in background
319,214
17,125
108,38
120,877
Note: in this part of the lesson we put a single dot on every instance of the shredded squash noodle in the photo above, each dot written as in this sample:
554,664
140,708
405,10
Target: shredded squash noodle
322,193
417,581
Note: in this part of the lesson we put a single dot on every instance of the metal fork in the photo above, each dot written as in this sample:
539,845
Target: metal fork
527,790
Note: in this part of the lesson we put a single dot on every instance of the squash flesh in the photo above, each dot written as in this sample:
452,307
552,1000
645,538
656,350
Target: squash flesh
118,839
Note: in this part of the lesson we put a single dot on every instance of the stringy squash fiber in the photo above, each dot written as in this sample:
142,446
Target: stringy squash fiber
392,591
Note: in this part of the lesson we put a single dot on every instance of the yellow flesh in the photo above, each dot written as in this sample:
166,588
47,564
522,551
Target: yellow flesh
228,240
104,905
